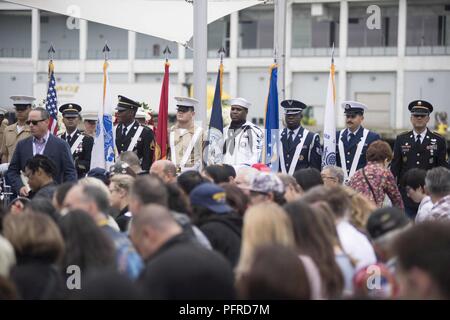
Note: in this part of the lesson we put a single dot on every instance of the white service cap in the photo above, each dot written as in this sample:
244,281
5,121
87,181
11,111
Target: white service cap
21,99
353,106
240,102
186,102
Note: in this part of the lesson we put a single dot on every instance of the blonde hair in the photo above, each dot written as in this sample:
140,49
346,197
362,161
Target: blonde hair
264,224
34,235
94,182
360,209
123,181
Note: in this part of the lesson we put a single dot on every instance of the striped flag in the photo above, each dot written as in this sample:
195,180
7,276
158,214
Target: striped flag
103,150
214,147
329,124
161,129
271,138
51,101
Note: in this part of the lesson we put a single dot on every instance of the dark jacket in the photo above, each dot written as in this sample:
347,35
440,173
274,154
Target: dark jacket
46,191
224,234
82,152
56,149
123,219
183,270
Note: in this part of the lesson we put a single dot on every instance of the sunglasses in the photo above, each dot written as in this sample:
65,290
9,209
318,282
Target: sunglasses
419,115
34,122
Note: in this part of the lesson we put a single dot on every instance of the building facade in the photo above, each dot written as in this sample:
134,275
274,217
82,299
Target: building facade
387,53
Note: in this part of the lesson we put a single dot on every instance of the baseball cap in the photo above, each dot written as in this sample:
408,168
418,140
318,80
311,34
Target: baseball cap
384,220
211,196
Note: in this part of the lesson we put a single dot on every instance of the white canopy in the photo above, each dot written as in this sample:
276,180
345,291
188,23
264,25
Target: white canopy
168,19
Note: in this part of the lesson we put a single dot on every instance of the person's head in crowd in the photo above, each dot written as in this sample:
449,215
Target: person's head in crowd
359,210
178,201
87,246
7,257
332,176
121,167
107,285
244,176
387,287
275,273
39,170
264,224
437,183
7,289
132,160
90,198
335,197
94,182
327,219
147,190
164,169
292,190
313,240
266,187
44,206
119,188
384,226
38,122
188,180
151,228
60,194
217,173
18,205
208,199
100,174
380,152
308,178
236,198
231,172
423,261
34,237
414,183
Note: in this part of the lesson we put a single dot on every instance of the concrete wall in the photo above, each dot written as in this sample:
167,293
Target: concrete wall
14,83
15,34
65,41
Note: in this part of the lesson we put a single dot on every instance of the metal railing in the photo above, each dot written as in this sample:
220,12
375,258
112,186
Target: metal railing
97,54
313,52
428,51
255,53
60,54
15,53
372,51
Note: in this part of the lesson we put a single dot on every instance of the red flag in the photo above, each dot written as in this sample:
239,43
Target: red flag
161,129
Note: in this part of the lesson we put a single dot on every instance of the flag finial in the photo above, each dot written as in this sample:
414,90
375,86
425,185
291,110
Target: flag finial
221,53
167,53
51,51
274,55
106,50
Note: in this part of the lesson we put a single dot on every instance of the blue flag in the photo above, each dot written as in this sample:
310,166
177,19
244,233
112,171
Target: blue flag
214,146
271,138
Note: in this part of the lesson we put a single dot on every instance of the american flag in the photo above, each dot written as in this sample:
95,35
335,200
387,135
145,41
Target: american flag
51,102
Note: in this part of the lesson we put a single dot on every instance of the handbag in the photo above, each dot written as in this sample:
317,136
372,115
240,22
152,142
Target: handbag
370,187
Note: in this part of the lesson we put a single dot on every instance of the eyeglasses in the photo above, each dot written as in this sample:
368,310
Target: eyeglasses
34,122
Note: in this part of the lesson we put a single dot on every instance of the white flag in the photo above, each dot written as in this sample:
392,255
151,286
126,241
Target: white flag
329,124
103,150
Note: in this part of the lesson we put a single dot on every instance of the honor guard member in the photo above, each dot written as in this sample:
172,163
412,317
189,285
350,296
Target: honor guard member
300,147
243,139
90,123
419,148
352,142
185,138
19,130
3,125
131,136
79,143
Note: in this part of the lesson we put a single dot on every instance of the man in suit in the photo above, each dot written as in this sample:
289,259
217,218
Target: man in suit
131,136
420,148
40,142
80,144
352,142
300,147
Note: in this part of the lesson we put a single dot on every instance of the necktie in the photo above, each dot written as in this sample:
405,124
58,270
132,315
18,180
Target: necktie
418,140
290,138
351,136
124,131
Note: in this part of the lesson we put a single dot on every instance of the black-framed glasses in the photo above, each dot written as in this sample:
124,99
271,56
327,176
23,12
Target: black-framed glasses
419,115
34,122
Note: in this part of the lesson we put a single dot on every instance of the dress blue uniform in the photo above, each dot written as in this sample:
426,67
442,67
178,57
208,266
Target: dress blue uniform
350,140
411,151
300,147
